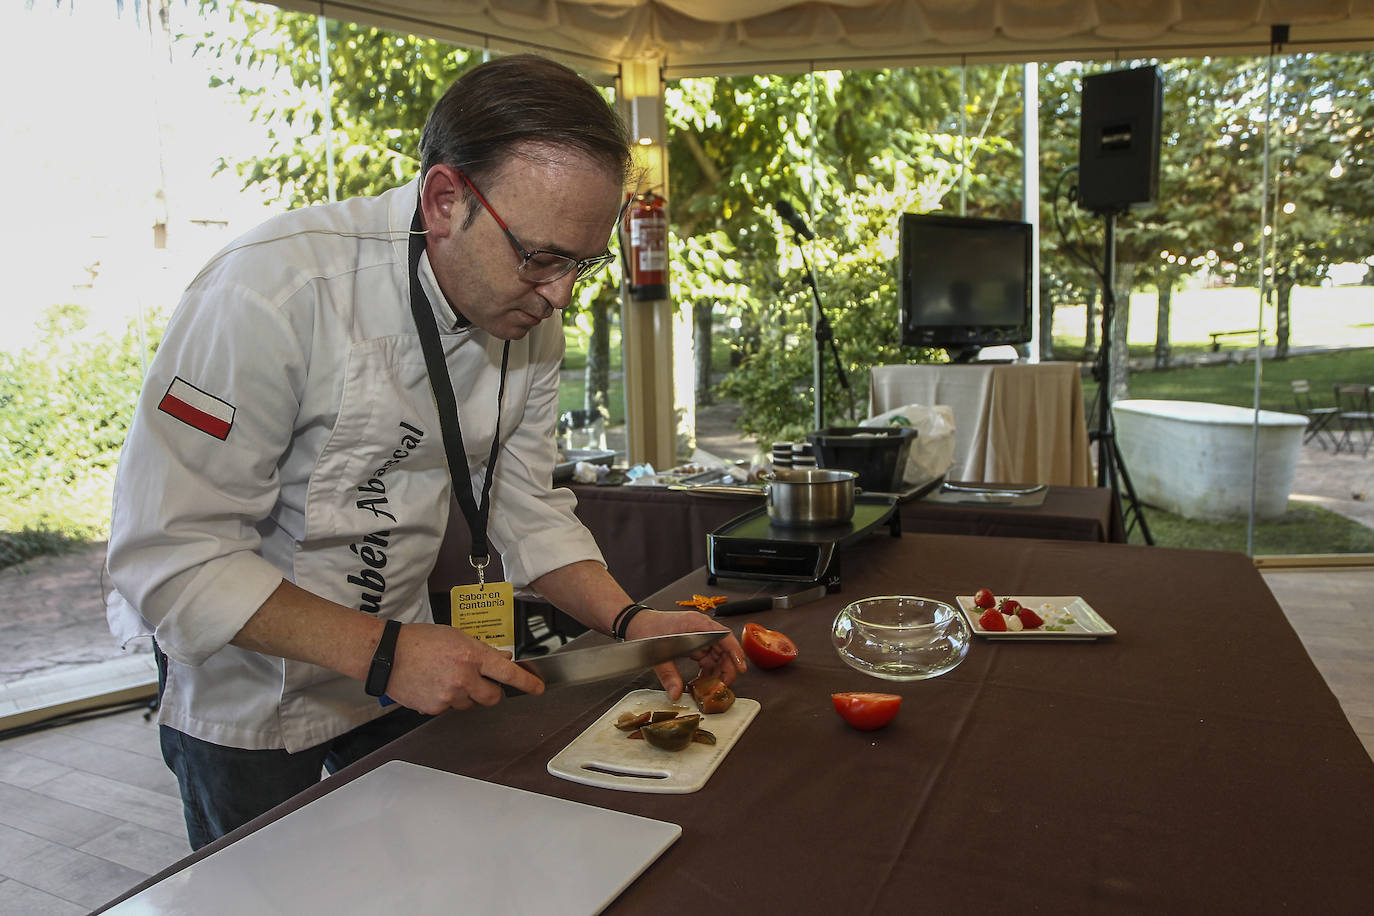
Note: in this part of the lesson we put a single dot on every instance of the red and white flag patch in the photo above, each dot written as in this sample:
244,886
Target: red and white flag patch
197,408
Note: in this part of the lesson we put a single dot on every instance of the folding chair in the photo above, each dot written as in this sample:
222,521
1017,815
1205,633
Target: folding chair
1354,411
1318,418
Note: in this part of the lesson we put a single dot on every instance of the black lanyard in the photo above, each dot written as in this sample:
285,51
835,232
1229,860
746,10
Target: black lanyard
439,382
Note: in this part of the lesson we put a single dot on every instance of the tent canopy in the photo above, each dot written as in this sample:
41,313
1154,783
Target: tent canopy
699,37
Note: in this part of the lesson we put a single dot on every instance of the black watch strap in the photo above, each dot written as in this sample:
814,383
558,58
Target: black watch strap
382,659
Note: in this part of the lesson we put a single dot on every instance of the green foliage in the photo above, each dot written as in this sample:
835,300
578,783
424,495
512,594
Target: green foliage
65,407
30,543
871,145
382,87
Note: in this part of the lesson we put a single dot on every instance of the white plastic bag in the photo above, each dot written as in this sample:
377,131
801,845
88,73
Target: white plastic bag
932,454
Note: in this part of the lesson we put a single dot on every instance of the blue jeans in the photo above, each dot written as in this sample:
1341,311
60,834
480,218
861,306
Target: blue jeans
223,788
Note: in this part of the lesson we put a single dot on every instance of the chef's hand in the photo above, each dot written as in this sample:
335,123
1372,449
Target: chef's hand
723,658
440,667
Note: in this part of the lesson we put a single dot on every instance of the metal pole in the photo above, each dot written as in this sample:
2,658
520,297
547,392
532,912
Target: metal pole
326,93
1266,224
1104,389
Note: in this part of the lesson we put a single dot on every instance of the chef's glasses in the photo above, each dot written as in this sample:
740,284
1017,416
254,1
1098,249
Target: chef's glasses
540,266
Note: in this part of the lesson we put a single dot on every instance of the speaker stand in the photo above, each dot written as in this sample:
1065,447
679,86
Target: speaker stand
1111,467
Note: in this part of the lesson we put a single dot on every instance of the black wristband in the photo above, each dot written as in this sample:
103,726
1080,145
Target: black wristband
622,620
382,659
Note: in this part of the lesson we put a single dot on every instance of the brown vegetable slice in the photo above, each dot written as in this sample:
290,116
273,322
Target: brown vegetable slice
671,734
712,695
629,721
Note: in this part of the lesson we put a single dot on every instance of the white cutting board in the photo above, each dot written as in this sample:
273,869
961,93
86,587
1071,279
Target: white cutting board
408,839
605,756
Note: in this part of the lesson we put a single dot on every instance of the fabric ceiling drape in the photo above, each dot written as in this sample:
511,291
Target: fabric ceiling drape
697,37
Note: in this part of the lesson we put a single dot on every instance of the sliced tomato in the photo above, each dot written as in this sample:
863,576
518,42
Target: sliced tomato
867,711
767,648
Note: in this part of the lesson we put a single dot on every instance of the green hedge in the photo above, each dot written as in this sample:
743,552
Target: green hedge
65,407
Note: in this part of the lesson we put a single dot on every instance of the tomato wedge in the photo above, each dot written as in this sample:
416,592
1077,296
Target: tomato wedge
767,648
867,711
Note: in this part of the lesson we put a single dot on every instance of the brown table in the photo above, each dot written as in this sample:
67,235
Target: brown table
652,536
1195,763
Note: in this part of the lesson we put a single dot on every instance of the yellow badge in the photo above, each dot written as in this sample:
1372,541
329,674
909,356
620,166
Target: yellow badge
486,612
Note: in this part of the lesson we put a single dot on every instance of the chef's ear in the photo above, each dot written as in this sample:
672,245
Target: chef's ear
441,198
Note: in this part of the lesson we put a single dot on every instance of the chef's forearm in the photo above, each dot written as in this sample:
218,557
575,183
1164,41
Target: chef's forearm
296,624
586,591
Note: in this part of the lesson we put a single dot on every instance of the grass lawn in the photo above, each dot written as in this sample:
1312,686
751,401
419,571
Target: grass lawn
1231,383
1302,529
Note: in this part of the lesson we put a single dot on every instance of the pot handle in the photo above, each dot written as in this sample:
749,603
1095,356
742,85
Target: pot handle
720,490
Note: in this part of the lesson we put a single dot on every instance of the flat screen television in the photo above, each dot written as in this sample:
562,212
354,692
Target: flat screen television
964,282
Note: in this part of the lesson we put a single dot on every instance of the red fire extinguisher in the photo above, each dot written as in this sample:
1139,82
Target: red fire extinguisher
646,250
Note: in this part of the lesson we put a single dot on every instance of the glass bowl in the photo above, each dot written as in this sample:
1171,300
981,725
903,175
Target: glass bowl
901,637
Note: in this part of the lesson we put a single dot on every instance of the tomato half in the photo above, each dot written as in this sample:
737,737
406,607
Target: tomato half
867,711
767,648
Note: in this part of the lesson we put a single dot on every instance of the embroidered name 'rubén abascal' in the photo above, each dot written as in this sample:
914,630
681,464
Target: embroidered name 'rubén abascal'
372,551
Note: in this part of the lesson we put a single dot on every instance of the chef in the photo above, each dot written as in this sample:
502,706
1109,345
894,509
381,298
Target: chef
326,383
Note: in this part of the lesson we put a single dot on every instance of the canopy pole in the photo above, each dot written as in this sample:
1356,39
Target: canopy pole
647,327
1030,190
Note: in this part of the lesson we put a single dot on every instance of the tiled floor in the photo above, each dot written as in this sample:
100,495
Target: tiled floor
88,810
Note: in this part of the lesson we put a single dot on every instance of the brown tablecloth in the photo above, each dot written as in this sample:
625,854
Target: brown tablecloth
650,537
1194,763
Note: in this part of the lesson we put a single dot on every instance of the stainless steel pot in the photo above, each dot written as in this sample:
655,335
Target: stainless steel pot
797,497
810,497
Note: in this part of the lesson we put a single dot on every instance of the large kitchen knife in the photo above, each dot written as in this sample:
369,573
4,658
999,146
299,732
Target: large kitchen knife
768,602
578,666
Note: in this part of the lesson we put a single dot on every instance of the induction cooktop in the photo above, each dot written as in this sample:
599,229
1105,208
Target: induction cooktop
752,547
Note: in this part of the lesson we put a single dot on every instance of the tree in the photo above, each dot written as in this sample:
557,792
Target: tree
871,145
1322,202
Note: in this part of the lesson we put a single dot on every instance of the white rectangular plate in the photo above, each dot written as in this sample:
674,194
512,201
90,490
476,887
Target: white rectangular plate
1056,609
605,756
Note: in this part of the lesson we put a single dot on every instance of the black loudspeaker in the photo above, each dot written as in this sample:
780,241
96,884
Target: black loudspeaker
1118,145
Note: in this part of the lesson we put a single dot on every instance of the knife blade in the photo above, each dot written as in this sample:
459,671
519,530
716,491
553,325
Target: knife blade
768,603
578,666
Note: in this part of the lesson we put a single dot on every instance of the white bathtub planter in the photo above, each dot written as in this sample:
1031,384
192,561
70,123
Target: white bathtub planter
1192,458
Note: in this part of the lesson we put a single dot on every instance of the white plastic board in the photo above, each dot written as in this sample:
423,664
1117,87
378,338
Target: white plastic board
408,839
604,756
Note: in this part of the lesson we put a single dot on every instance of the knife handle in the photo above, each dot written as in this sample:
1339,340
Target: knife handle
744,606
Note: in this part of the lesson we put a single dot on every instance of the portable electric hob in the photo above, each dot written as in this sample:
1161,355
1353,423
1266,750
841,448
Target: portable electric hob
752,547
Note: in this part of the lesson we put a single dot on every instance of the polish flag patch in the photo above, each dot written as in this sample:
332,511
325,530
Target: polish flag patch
197,408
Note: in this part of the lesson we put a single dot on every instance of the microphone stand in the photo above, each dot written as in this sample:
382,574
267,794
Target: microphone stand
824,335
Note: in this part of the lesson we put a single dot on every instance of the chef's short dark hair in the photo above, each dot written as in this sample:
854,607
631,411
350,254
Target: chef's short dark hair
505,103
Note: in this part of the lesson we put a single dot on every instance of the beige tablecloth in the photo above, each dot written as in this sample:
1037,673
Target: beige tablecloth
1014,422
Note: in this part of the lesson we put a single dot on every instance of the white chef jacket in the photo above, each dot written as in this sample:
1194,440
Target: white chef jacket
287,429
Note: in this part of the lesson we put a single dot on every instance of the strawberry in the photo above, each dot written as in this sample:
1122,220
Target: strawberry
984,598
1009,606
991,619
1029,619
